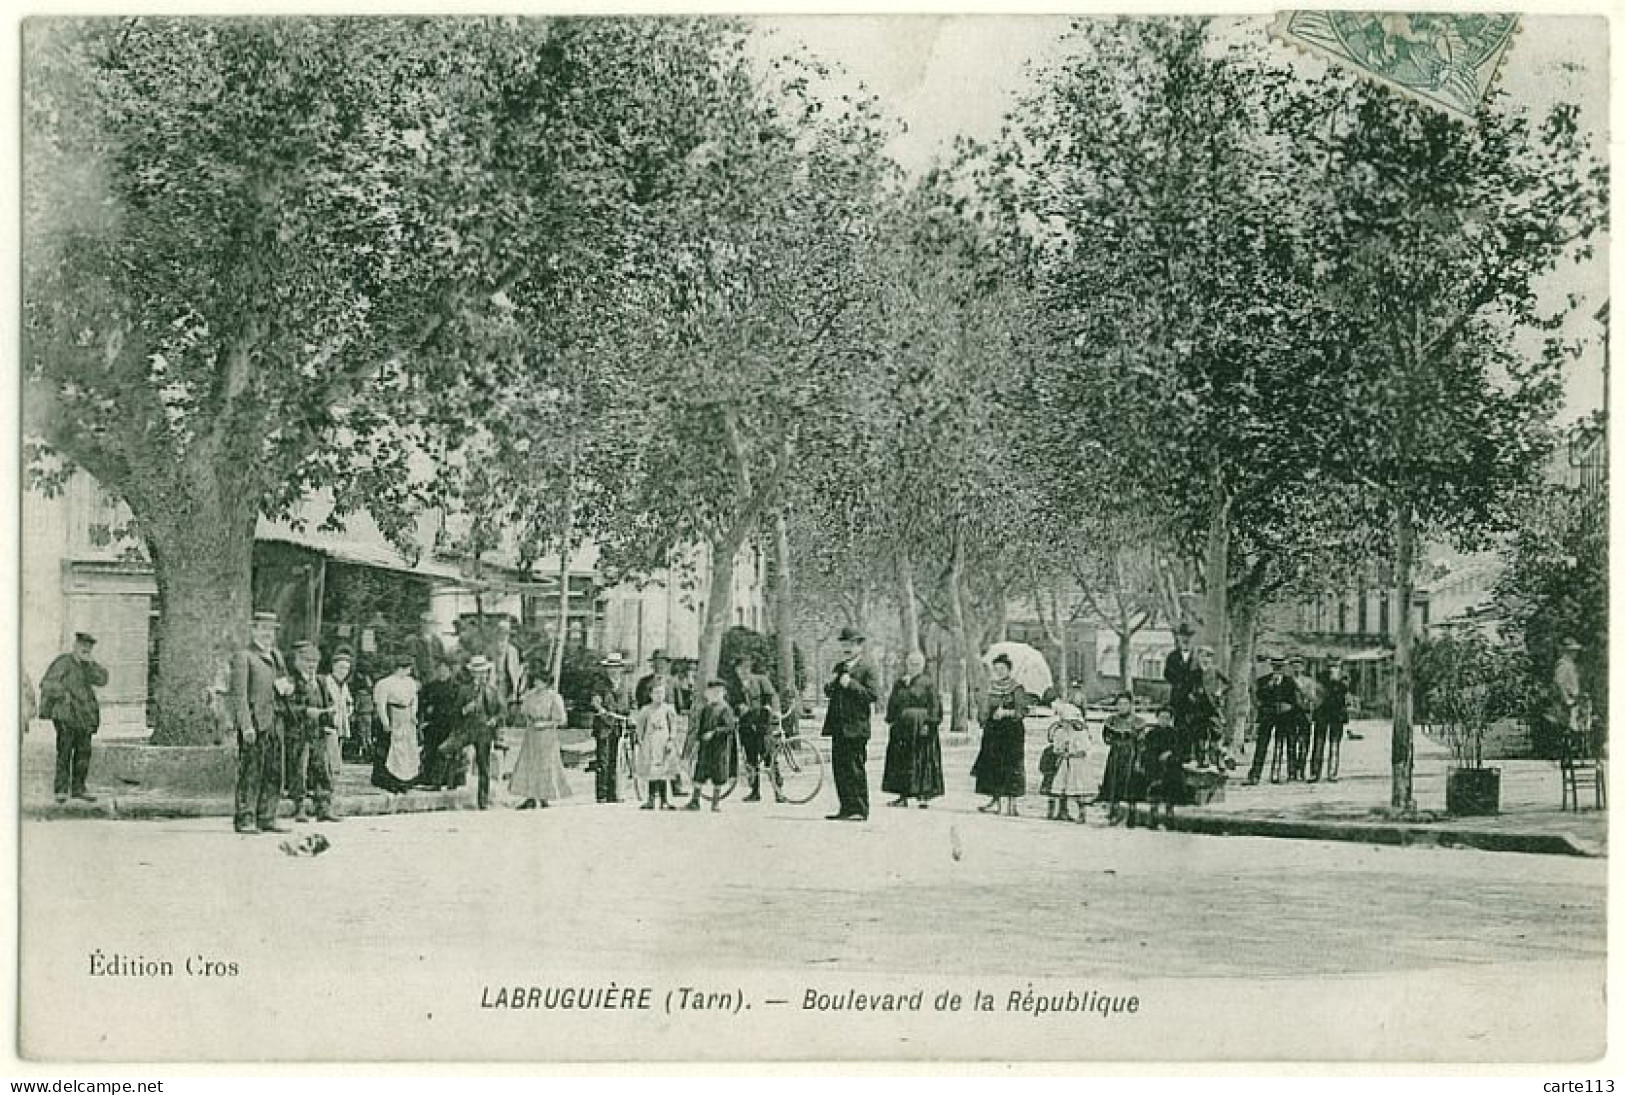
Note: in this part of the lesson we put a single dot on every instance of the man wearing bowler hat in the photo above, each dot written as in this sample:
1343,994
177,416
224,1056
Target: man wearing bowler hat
659,670
851,693
1275,698
68,699
259,691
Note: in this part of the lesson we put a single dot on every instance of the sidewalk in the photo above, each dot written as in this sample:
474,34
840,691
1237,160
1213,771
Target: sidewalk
353,792
1353,809
1356,806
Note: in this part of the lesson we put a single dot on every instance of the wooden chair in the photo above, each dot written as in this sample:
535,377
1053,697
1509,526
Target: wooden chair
1583,765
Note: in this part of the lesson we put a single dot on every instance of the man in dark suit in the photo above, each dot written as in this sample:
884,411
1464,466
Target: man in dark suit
1331,715
309,717
659,670
258,694
851,693
610,706
427,648
1204,710
1274,699
68,699
1181,673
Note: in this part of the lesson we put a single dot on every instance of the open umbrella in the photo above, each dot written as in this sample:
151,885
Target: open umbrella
1027,666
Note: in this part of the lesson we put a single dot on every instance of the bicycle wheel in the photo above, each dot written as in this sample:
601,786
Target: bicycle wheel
627,783
798,770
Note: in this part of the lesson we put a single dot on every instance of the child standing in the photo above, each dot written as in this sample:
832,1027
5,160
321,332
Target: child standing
1069,738
1123,733
1048,762
1164,770
658,747
714,753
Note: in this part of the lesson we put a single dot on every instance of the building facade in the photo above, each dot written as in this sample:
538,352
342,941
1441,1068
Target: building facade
1356,626
351,587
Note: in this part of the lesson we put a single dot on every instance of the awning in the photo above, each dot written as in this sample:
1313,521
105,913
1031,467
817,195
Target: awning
361,553
1376,654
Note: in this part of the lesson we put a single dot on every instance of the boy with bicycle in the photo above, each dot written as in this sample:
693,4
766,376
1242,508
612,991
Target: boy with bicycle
758,710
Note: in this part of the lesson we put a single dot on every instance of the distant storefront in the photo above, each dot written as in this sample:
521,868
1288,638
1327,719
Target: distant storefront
353,589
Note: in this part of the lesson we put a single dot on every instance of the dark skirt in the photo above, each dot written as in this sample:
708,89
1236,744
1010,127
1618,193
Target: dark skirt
913,760
714,760
1121,782
1164,779
1001,764
382,777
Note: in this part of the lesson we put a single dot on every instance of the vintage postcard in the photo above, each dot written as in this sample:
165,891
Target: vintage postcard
924,538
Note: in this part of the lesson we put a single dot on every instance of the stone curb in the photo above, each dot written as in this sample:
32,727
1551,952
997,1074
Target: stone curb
1383,833
1396,835
155,808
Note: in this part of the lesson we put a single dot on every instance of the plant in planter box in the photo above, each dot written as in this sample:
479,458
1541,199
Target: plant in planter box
1462,686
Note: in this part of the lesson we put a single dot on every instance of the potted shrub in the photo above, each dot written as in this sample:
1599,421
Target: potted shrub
1459,678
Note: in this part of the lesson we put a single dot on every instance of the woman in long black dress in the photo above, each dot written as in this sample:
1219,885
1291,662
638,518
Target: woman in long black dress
913,750
1001,765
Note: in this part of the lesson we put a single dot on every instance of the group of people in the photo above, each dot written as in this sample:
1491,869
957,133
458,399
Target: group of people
1301,721
1300,718
913,712
417,724
679,745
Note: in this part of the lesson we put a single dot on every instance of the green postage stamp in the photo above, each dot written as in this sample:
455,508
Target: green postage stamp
1444,59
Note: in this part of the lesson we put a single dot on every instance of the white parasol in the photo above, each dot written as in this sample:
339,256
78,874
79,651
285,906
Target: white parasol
1027,666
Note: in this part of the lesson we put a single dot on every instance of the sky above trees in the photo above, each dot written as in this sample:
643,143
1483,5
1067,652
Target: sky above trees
946,76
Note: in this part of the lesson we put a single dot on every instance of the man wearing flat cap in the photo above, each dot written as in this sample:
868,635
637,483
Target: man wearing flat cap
310,721
757,705
67,697
258,693
1179,670
851,693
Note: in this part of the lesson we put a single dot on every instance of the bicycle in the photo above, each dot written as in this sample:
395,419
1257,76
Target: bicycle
627,782
794,765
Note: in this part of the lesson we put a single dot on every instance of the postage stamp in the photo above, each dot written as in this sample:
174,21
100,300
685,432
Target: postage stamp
1447,60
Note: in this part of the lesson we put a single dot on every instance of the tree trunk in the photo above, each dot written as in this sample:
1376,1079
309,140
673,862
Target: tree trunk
784,611
908,607
1125,660
564,614
718,604
566,524
1064,685
1403,753
958,697
1238,704
962,639
1217,624
203,562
